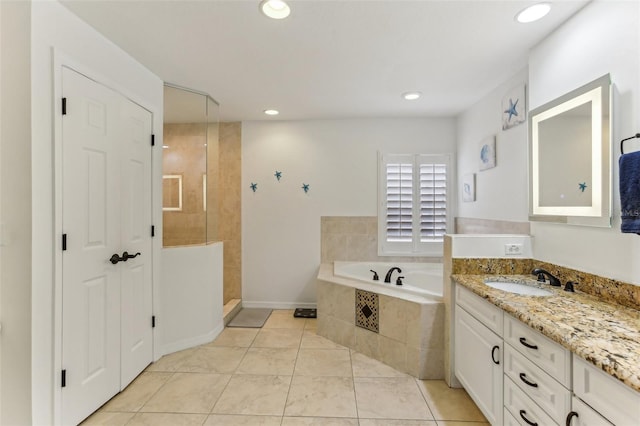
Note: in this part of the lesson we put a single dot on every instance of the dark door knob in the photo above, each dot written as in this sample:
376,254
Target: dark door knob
125,256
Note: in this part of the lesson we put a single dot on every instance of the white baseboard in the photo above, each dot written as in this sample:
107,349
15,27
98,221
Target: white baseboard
193,341
276,305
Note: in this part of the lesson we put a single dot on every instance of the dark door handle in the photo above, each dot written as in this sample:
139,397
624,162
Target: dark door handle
523,416
125,256
523,377
570,416
493,358
523,341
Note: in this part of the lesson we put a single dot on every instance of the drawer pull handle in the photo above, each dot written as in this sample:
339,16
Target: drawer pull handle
493,357
528,345
523,377
523,414
570,416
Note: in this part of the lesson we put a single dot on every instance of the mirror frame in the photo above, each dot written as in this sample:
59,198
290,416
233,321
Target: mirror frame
598,93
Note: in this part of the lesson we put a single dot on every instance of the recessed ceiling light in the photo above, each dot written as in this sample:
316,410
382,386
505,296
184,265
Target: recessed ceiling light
165,146
533,13
276,9
271,111
411,96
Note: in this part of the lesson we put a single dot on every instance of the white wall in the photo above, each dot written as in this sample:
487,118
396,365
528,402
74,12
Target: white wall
602,38
338,159
15,214
56,30
501,192
192,281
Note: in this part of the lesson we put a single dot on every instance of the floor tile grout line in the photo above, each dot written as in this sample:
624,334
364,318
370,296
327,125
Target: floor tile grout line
234,373
353,381
295,363
416,381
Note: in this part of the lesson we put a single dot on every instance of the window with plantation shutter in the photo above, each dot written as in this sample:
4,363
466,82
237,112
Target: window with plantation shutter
399,220
413,207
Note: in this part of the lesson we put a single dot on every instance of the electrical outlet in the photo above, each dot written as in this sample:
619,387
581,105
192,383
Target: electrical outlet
512,249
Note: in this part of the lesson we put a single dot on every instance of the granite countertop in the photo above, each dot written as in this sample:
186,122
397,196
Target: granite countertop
605,334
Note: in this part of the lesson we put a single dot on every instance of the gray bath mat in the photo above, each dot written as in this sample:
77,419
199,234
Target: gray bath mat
250,318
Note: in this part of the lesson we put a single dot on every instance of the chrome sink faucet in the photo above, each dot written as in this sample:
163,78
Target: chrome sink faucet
387,278
541,273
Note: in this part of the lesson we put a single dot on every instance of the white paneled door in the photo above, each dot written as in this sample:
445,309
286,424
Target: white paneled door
106,211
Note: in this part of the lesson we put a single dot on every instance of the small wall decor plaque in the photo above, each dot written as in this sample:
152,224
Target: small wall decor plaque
514,108
488,153
469,187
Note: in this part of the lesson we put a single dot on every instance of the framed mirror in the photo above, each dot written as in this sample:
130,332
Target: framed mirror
570,157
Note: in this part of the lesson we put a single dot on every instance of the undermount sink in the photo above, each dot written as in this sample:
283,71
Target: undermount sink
519,288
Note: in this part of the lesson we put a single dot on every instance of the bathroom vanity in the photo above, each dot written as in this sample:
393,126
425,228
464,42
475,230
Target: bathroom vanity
567,358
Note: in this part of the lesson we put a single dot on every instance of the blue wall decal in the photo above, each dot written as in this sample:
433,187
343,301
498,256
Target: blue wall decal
254,187
582,186
305,187
278,175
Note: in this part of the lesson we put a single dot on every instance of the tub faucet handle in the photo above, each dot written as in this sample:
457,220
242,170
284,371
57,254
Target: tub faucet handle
375,275
399,280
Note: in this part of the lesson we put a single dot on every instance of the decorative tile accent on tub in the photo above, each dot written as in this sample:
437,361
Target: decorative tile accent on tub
367,310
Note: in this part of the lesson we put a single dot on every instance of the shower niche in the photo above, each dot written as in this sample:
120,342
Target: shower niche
190,155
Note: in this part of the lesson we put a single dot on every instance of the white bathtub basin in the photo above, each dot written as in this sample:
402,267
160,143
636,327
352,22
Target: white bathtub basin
518,288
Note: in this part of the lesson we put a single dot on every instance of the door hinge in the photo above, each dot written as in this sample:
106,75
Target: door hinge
64,106
153,321
153,140
63,379
64,242
153,231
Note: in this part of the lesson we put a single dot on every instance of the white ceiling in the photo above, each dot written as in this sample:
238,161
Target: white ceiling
329,59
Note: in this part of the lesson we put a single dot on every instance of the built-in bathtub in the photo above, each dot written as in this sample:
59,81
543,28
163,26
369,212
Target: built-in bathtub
421,279
401,326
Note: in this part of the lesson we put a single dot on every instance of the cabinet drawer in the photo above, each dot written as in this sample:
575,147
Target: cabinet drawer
509,420
523,409
585,415
482,310
549,394
613,399
545,353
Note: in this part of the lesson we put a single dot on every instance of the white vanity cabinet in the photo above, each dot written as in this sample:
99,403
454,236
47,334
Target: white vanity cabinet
478,352
517,376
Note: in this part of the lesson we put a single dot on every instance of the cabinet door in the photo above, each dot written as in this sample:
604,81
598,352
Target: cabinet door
618,403
583,415
478,364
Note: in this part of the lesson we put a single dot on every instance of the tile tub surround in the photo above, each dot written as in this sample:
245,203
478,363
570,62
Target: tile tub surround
355,238
468,225
410,337
603,333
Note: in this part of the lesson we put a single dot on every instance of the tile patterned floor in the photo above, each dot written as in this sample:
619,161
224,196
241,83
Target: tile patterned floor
283,374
